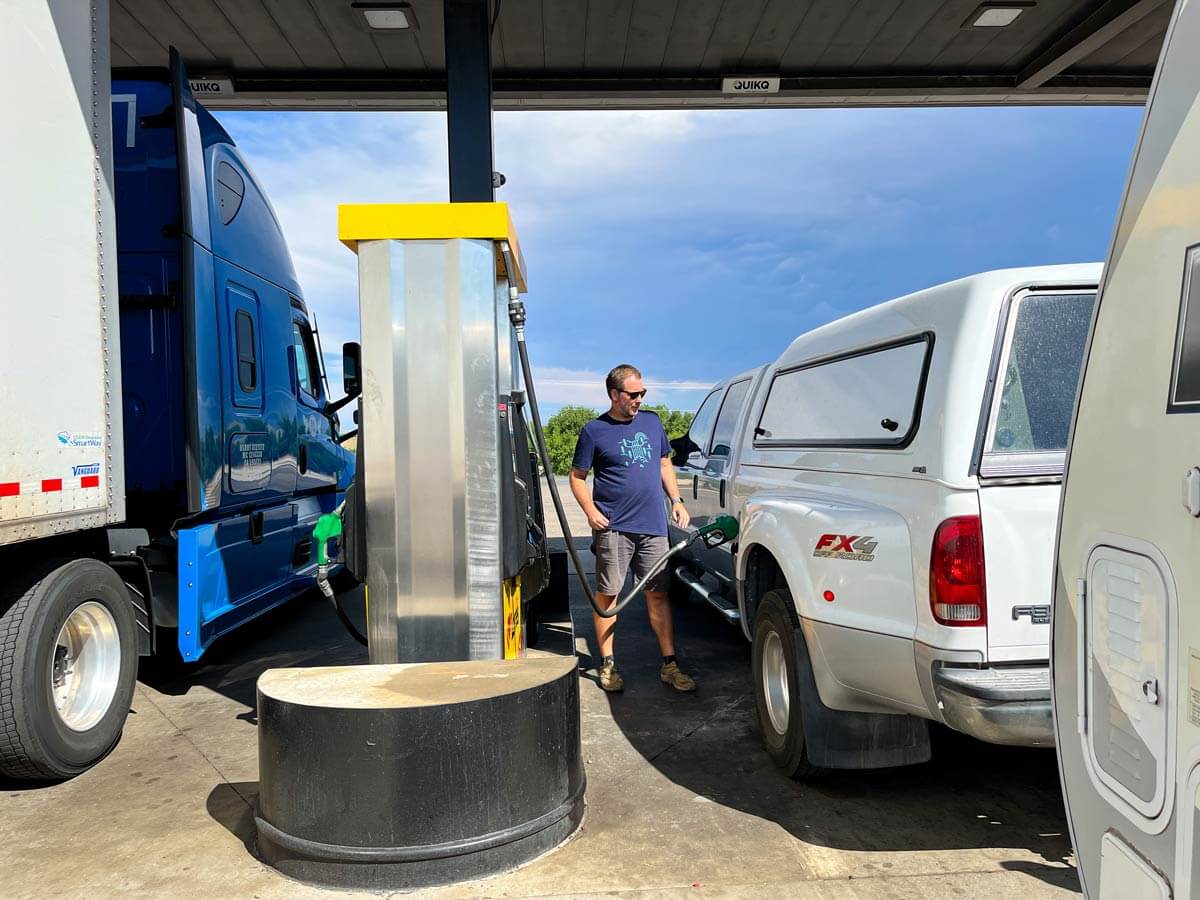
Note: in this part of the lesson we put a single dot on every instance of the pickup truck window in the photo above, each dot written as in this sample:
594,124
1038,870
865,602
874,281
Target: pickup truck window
868,398
731,408
702,423
1035,390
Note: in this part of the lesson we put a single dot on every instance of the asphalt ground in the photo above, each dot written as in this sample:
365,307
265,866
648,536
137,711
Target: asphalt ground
681,798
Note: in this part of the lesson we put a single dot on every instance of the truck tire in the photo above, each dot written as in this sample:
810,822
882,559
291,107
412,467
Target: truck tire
778,652
68,666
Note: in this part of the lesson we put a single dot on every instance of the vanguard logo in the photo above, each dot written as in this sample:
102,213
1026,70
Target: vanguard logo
846,546
89,469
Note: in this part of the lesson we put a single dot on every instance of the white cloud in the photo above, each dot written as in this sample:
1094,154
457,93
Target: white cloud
757,199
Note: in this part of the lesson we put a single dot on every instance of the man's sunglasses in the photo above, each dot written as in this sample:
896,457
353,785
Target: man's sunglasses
634,395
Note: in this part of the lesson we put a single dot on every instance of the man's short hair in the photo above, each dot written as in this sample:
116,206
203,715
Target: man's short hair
616,378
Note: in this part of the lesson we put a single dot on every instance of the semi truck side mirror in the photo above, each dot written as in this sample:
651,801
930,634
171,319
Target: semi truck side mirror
351,368
351,382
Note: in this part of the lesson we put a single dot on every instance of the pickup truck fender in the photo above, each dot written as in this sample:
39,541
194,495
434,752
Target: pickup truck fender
848,565
844,726
861,551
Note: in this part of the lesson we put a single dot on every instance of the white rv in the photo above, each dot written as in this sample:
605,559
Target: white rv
896,479
1126,658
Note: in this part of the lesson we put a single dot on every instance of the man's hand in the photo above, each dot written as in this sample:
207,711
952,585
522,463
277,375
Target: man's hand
680,515
597,521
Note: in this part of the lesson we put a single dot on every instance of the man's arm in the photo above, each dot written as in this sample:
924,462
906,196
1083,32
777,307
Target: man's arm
678,512
579,489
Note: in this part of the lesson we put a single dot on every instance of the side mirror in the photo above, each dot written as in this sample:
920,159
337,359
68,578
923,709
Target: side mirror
351,369
351,380
682,447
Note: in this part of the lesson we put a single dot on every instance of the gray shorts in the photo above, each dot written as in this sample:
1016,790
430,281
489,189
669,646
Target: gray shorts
615,550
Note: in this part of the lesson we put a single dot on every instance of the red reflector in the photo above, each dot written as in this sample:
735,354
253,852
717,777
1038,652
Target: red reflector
51,484
89,481
828,595
957,580
10,488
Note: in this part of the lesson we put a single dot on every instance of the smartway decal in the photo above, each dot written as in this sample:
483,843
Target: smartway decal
78,439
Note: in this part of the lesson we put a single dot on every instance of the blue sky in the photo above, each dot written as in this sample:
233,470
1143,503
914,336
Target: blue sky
695,244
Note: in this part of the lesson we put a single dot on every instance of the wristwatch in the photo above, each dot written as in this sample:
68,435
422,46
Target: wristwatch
675,500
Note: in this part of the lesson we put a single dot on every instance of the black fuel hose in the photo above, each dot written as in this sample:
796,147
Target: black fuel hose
516,311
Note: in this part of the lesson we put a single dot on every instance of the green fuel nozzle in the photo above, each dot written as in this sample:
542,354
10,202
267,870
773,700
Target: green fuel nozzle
720,530
328,527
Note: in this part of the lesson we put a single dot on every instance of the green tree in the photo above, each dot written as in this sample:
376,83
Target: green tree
562,433
562,430
674,421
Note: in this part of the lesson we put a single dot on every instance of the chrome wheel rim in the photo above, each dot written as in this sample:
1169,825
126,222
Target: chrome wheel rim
775,682
85,667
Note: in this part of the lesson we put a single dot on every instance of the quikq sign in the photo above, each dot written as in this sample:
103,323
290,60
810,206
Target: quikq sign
751,84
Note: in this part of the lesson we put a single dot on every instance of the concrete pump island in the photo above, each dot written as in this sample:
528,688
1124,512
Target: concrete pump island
247,650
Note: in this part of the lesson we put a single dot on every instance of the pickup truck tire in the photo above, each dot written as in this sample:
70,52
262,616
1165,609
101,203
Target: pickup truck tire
68,667
778,652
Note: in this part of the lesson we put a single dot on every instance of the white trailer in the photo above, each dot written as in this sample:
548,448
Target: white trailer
167,443
69,626
61,443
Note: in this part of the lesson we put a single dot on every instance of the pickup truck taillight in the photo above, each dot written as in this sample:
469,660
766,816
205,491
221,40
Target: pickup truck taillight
957,591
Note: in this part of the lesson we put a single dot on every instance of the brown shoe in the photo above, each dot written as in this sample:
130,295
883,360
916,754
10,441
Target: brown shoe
610,679
671,675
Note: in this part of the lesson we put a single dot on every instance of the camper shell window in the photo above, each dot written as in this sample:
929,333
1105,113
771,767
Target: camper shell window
860,399
1037,379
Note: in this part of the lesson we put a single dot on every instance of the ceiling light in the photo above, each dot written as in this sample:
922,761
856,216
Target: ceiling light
996,15
387,16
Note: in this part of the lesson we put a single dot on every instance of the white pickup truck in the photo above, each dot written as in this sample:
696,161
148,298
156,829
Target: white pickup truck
896,478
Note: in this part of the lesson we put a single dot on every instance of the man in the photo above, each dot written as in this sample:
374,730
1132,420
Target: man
629,452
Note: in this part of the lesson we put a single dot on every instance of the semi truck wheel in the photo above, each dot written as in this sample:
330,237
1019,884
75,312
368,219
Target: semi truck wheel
68,664
778,651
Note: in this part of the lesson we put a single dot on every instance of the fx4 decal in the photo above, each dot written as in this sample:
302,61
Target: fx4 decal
846,546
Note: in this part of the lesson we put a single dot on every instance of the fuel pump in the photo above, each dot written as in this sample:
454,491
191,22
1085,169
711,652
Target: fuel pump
444,524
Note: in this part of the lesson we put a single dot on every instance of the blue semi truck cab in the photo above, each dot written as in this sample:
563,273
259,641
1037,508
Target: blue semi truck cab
230,442
220,369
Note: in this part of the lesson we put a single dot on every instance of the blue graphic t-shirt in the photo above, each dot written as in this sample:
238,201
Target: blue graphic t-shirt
625,457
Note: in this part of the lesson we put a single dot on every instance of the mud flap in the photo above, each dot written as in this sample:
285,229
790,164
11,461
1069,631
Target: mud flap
855,740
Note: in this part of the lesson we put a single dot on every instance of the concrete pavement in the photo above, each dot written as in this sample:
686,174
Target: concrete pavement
681,799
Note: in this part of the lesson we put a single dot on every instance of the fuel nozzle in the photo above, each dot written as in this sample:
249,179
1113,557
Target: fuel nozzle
328,527
721,530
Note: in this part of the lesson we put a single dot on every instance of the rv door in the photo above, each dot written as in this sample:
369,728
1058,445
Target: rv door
1126,630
